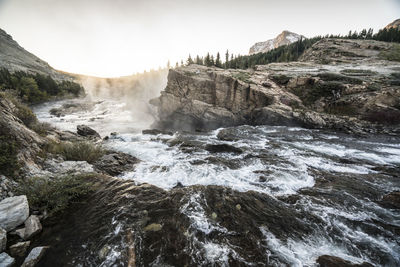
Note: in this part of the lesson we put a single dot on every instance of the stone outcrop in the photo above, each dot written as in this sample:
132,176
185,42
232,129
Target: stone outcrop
345,85
13,212
284,38
32,227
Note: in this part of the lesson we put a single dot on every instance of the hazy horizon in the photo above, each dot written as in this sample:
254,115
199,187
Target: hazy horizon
116,38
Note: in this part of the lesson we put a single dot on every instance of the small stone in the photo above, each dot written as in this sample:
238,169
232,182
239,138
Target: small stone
34,256
5,260
238,207
19,249
104,252
214,216
262,179
154,227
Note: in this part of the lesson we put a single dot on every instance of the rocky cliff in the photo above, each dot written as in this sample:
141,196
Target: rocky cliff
394,24
283,38
15,58
348,85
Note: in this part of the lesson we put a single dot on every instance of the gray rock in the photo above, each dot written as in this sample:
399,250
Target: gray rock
13,212
34,256
3,239
5,260
19,249
32,227
85,130
116,163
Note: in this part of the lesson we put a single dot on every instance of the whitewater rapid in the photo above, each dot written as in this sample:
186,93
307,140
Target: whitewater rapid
334,177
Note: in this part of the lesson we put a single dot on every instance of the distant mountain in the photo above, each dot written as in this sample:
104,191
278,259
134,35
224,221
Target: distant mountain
394,24
284,38
15,58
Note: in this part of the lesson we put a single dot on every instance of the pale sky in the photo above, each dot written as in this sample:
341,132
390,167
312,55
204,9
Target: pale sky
120,37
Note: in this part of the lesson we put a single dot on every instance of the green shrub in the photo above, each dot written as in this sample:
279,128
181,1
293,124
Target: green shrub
42,128
243,76
55,194
78,151
8,155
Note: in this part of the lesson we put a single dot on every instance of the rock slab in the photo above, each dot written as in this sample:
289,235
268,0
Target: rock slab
19,249
34,256
13,212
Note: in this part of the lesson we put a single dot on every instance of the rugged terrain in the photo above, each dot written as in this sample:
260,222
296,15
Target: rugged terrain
15,58
348,85
284,38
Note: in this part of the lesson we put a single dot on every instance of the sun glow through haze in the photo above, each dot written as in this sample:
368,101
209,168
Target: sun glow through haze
120,37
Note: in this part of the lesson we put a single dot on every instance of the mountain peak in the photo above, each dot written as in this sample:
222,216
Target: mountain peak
394,24
284,38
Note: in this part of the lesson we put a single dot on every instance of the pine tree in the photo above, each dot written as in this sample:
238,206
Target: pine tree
168,64
189,61
227,59
207,60
218,62
177,65
212,60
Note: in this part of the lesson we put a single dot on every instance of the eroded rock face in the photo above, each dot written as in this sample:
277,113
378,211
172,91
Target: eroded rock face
283,38
344,85
13,212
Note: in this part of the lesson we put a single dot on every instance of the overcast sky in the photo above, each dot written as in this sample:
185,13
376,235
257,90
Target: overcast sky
120,37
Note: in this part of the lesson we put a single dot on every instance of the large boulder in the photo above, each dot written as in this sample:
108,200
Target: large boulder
34,256
13,212
86,131
5,260
116,163
3,239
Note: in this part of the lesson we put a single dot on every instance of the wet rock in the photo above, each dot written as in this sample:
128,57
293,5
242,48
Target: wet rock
86,131
262,179
220,148
104,252
231,164
3,239
391,200
19,249
13,212
32,227
227,134
178,185
156,132
34,256
116,163
154,227
332,261
6,260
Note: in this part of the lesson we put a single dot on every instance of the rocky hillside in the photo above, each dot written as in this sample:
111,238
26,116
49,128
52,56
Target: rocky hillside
15,58
394,24
283,38
348,85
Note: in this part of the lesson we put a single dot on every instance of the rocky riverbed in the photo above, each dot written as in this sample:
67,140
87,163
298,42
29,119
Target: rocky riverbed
245,195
